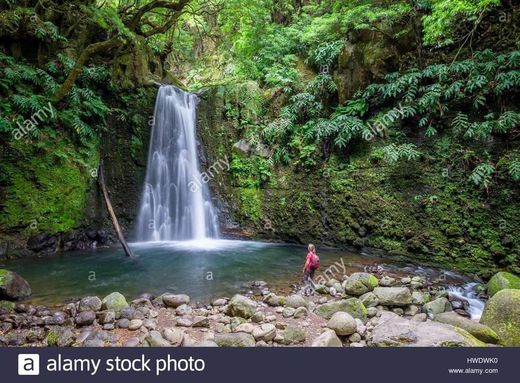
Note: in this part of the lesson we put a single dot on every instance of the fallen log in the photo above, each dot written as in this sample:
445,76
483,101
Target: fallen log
111,212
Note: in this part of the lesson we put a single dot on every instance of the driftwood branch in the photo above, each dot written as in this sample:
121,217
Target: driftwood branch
113,217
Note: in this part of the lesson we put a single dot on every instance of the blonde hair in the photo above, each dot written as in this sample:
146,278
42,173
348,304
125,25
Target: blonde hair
311,247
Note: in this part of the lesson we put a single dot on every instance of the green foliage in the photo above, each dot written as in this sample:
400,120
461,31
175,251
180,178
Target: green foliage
482,175
393,153
439,24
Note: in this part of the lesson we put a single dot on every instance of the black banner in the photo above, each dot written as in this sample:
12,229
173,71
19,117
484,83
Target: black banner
259,365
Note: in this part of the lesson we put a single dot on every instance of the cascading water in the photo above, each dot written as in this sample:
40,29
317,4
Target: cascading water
171,207
467,293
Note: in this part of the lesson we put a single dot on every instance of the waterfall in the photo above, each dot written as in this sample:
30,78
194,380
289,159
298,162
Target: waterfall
170,209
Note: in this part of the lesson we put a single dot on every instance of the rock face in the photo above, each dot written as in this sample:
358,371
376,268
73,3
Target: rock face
327,339
478,330
115,302
360,283
395,331
342,323
502,314
353,306
241,306
501,281
393,296
239,339
13,286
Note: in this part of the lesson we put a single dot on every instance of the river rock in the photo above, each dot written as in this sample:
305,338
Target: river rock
386,281
184,309
173,335
342,323
478,330
85,318
123,323
90,304
369,300
295,301
393,296
437,306
245,327
502,280
258,317
300,312
115,302
292,335
13,286
288,312
219,302
59,336
132,342
241,306
393,330
327,339
107,316
502,314
135,324
272,300
238,339
360,283
353,306
175,300
417,298
200,321
155,339
265,332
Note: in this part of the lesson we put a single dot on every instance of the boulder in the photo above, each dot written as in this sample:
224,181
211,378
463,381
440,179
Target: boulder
155,339
90,304
478,330
292,335
437,306
502,314
115,302
392,330
369,300
501,281
85,318
295,301
175,300
241,306
12,286
353,306
342,323
327,339
242,147
238,339
393,296
360,283
173,335
265,332
272,300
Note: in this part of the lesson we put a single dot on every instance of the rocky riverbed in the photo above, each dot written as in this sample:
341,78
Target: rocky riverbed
360,310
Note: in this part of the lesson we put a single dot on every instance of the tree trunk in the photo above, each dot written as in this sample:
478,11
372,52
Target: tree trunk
113,217
80,63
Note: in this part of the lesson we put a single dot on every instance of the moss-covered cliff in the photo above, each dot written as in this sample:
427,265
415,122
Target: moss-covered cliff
422,211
